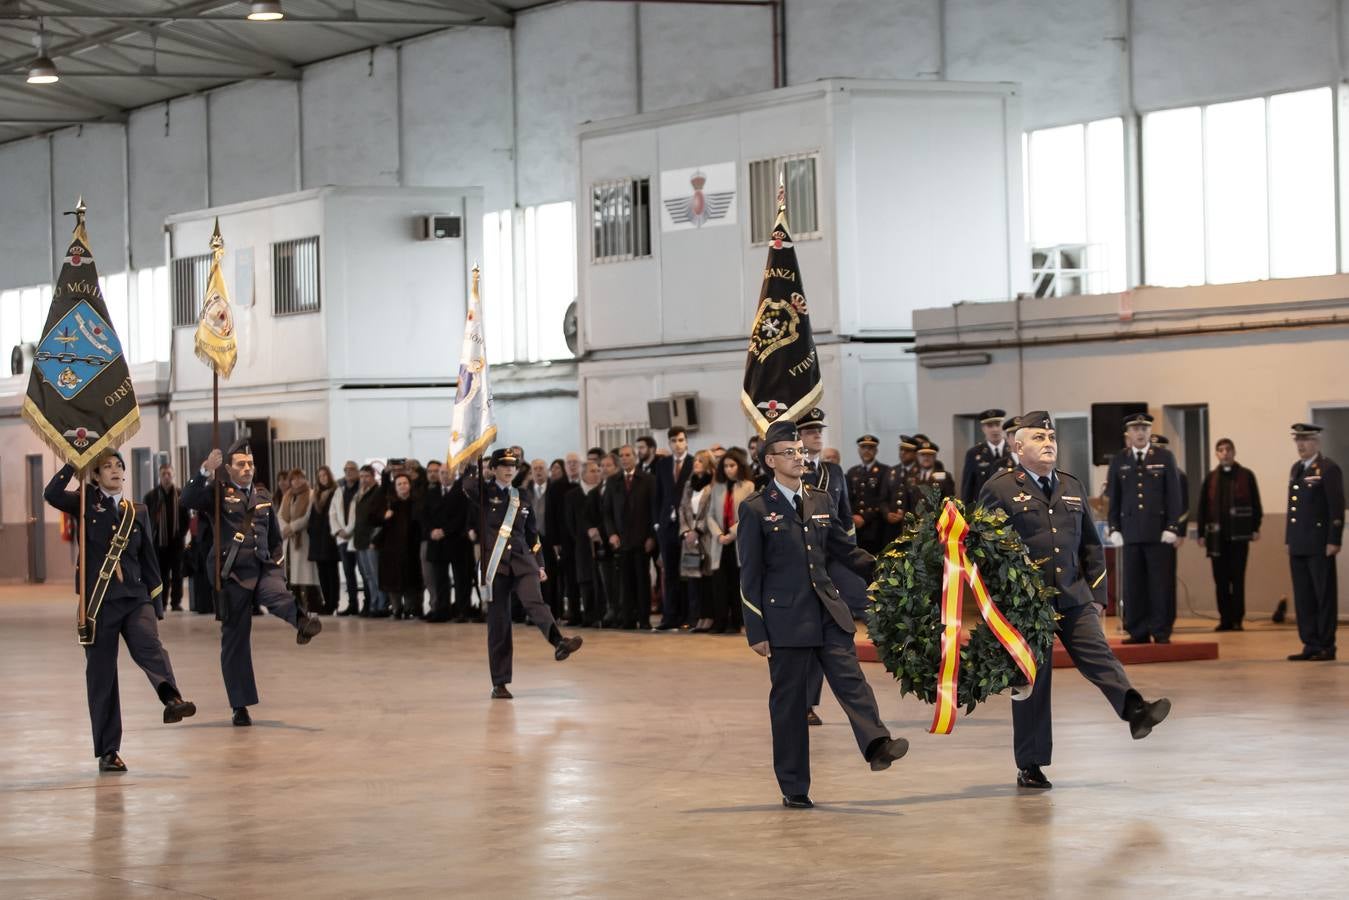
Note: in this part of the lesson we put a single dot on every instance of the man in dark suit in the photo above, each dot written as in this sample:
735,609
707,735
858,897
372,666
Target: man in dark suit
1229,520
583,523
646,454
515,568
250,572
607,588
671,473
435,525
168,520
1146,506
865,495
123,596
794,616
1314,535
458,510
931,472
558,536
986,458
628,503
1048,508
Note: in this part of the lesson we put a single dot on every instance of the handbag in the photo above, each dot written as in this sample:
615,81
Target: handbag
691,557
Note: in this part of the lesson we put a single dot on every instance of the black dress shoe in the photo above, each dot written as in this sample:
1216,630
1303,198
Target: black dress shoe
666,626
1161,640
1147,715
111,762
1280,612
241,717
1224,628
1322,656
1299,657
178,709
797,801
1137,640
813,718
311,626
566,647
499,692
890,750
1031,777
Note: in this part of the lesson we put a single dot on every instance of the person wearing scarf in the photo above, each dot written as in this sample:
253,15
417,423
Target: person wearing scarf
695,529
293,517
1229,520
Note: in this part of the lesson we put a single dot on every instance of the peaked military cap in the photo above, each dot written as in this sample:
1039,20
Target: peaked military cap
906,442
239,446
1305,429
814,418
504,457
869,439
1159,440
926,446
1036,419
1011,424
992,416
781,430
1139,418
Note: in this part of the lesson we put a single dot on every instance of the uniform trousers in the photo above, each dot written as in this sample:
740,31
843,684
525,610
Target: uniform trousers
789,671
1229,581
1316,599
1149,590
171,571
236,629
500,646
132,620
1032,725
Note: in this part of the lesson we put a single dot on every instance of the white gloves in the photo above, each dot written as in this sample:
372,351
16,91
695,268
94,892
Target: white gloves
1024,691
1116,539
1169,537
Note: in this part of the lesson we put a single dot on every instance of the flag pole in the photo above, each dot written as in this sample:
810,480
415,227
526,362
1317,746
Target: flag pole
215,476
83,614
482,532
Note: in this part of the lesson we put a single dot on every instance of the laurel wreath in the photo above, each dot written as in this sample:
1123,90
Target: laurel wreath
904,615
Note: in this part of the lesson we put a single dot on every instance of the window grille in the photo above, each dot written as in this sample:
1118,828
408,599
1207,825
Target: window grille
612,435
802,196
307,455
621,219
189,288
295,277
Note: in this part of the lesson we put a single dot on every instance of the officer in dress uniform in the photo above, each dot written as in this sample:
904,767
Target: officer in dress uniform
931,471
251,573
1161,440
865,484
829,477
1048,508
1143,487
1314,534
515,565
984,459
895,489
123,599
788,534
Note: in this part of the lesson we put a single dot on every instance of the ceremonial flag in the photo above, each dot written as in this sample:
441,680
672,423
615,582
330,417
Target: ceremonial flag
216,344
472,429
80,398
782,370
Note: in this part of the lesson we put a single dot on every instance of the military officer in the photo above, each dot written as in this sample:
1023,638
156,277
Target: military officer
1314,534
931,471
984,459
516,567
123,596
788,534
250,568
1161,440
1143,488
895,489
865,482
1048,508
828,477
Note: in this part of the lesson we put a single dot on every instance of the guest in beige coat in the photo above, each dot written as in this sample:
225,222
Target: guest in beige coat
734,482
695,529
293,516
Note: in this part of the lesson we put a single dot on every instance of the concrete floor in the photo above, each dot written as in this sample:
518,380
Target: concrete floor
377,767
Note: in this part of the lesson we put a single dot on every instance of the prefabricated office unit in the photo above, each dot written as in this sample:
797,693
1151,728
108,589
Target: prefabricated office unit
349,320
902,196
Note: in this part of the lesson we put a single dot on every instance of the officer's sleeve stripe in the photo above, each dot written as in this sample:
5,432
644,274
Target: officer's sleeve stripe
852,532
753,608
159,589
1098,580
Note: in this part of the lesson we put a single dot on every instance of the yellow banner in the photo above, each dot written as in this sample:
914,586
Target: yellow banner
216,344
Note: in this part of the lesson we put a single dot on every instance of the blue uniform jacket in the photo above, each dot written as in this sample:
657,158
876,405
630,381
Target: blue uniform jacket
785,586
1315,507
261,546
1145,500
981,464
140,579
1058,532
522,555
829,477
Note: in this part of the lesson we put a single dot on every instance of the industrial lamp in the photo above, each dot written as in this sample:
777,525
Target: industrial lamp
265,11
42,70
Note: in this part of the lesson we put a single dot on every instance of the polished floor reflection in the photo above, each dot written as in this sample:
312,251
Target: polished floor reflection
377,767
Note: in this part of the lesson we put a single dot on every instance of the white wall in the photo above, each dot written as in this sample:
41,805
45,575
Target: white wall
254,141
168,172
26,246
349,115
88,162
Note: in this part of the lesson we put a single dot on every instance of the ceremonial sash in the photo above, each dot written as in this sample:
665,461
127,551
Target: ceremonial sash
503,535
111,564
959,569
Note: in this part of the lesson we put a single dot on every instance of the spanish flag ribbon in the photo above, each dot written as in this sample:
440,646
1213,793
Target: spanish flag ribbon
957,570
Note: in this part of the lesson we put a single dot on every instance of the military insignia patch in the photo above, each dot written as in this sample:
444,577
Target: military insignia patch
773,517
1021,497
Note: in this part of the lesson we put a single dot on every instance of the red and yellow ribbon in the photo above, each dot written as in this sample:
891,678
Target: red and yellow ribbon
957,570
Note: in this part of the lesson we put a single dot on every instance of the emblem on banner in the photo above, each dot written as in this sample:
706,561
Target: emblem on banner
78,348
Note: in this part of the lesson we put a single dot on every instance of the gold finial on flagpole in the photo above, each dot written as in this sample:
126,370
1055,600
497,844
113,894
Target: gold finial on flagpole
782,190
79,210
476,274
217,242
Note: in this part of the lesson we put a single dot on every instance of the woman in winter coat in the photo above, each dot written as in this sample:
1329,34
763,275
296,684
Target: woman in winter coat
735,482
297,506
323,552
400,541
695,529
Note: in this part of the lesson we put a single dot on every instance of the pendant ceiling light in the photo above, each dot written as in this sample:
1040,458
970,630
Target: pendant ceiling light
265,11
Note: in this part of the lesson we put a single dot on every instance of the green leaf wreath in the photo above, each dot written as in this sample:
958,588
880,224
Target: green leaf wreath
904,615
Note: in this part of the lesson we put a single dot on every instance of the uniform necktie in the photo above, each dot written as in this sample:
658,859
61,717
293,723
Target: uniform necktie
1139,454
796,502
1046,485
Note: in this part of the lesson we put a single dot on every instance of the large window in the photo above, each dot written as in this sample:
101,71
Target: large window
528,281
1075,216
295,276
1239,191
